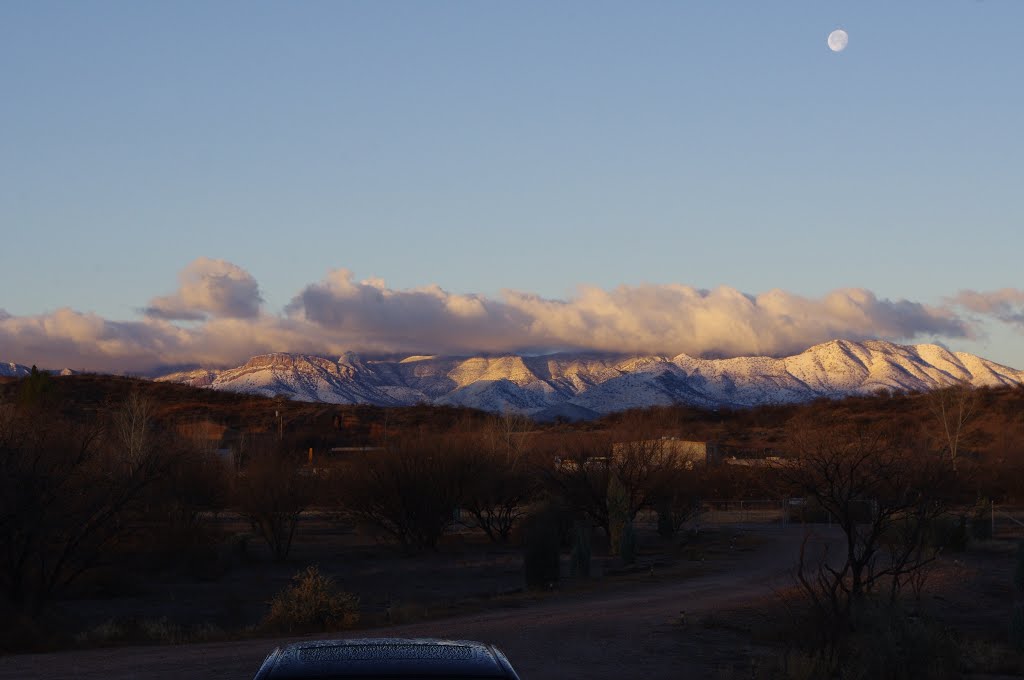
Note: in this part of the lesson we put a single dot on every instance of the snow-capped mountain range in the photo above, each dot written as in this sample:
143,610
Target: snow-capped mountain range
12,370
586,385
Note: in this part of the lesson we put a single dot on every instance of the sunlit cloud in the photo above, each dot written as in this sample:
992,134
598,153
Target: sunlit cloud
215,318
1006,304
209,287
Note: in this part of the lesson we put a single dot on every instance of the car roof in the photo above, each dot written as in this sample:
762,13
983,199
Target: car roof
385,657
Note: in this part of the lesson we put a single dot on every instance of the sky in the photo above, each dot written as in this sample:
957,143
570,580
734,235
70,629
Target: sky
195,182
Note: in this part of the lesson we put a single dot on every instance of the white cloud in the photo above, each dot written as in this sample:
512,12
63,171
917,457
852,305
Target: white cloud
208,287
665,319
339,313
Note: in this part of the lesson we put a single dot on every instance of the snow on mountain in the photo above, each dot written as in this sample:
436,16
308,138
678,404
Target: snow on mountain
298,376
578,385
12,370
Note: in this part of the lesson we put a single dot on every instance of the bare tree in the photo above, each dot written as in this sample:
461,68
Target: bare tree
272,494
882,492
498,486
68,493
579,475
132,430
505,435
952,409
645,468
410,492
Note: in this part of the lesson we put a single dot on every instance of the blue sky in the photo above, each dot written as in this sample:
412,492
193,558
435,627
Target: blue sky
535,147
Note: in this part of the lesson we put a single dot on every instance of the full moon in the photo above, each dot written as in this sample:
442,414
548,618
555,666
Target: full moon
837,40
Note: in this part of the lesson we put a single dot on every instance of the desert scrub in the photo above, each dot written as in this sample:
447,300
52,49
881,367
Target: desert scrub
312,603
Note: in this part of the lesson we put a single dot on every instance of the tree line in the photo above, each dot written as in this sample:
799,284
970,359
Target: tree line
78,493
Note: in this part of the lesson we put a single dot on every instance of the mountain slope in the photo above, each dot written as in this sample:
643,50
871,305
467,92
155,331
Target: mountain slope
12,370
582,384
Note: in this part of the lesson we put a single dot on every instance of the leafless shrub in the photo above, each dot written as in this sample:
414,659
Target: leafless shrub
272,494
312,603
410,492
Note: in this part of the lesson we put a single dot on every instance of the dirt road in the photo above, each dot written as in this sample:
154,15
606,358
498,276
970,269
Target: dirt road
633,632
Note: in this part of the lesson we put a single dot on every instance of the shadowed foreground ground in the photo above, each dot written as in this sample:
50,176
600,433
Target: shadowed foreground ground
633,632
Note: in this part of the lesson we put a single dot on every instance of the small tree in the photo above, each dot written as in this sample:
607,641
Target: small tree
272,494
496,495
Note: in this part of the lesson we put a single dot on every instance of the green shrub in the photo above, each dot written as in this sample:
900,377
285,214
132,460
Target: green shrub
627,548
312,603
618,513
541,544
581,552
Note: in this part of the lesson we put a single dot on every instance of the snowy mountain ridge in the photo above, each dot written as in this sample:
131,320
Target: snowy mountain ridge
13,370
586,384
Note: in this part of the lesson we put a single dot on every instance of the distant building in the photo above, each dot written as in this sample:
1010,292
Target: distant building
671,449
765,462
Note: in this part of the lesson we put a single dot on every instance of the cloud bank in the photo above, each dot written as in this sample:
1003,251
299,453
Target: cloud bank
216,318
